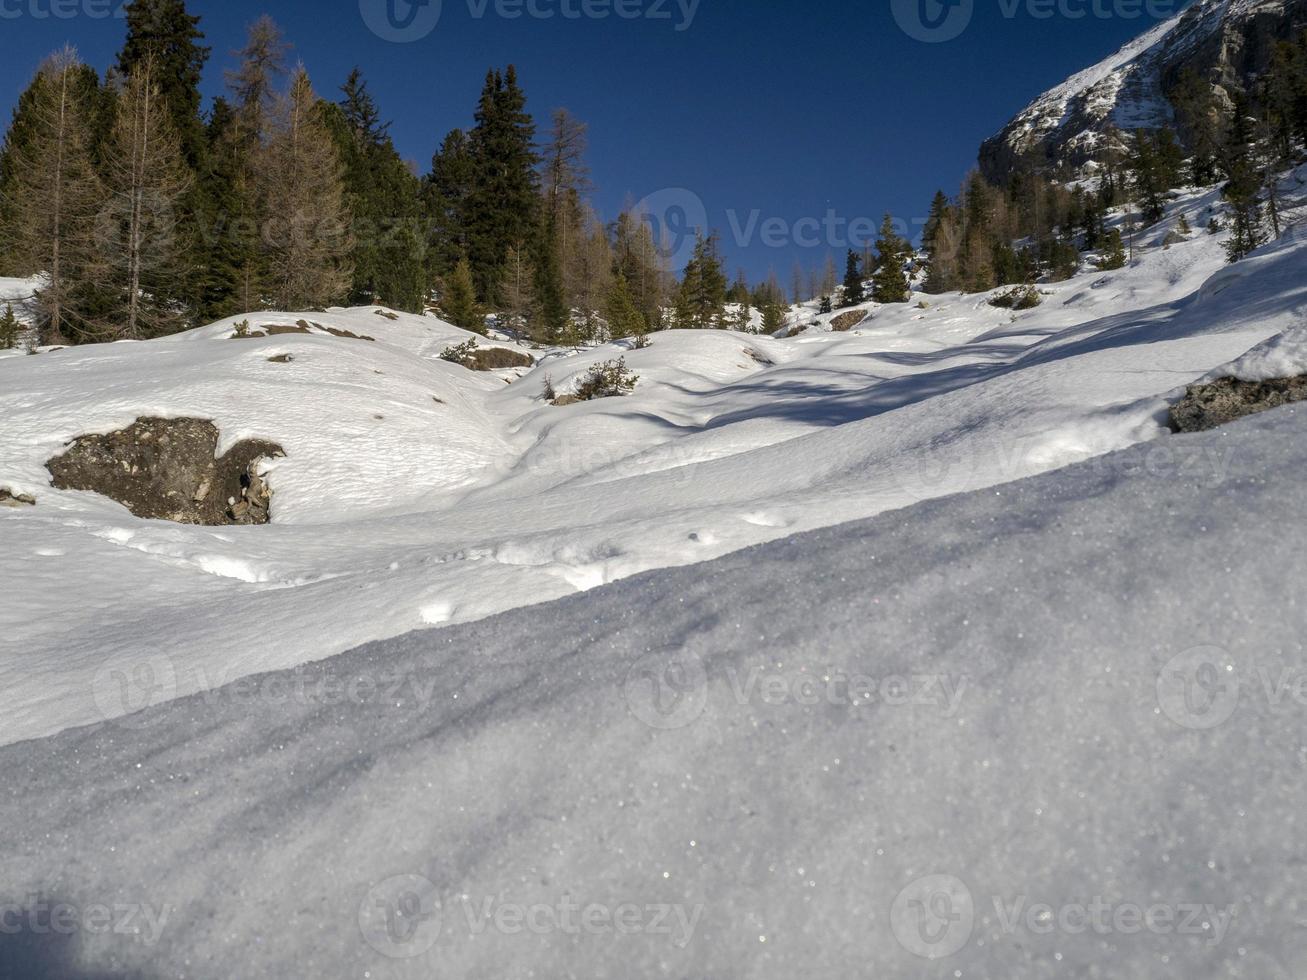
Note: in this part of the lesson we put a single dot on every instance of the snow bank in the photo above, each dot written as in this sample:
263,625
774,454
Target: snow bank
1028,731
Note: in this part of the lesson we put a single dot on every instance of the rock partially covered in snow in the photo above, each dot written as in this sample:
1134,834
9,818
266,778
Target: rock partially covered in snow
167,469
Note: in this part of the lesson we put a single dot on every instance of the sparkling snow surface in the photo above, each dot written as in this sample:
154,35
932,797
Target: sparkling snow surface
1048,729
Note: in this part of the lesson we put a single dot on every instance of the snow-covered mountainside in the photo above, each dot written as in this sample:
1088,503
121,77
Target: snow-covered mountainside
1227,42
414,492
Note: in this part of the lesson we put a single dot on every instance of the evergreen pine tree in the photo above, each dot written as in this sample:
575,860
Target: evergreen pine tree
445,194
1244,184
701,300
624,320
552,320
1199,118
383,198
503,202
10,328
939,208
458,300
164,34
854,293
1114,252
1147,178
890,283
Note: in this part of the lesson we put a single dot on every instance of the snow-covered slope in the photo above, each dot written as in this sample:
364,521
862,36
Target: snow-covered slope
417,493
1224,41
1048,729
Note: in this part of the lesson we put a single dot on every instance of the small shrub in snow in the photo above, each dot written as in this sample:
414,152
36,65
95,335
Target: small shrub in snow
549,392
1017,298
607,380
641,342
460,353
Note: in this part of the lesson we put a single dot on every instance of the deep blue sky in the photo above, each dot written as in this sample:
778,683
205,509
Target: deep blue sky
788,108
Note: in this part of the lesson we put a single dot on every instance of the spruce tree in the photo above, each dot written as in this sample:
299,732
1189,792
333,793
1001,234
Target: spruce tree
890,283
168,37
939,209
551,319
232,275
458,300
10,328
445,195
164,34
854,293
1199,117
1114,253
624,320
51,192
1147,177
383,198
1244,185
701,300
503,202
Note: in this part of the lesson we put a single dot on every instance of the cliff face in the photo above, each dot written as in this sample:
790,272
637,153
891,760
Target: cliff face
1228,42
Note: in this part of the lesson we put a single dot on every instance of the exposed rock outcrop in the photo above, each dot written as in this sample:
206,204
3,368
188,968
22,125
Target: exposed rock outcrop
1205,406
166,469
10,499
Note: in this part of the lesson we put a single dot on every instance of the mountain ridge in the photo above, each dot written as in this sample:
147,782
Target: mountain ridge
1228,42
